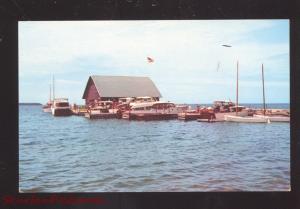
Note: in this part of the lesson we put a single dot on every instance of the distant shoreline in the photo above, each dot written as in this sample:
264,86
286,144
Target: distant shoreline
29,103
36,103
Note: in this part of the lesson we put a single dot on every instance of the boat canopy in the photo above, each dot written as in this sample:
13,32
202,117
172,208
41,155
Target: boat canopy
153,104
61,100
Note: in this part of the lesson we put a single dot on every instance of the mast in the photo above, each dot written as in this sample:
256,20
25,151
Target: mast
53,88
50,93
237,87
263,83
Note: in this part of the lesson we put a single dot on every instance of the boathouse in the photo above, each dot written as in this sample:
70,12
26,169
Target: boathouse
114,87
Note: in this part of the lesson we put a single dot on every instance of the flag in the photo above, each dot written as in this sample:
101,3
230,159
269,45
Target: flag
218,67
150,60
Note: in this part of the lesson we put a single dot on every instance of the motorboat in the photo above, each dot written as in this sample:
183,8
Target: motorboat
224,108
203,113
138,100
151,111
125,100
61,107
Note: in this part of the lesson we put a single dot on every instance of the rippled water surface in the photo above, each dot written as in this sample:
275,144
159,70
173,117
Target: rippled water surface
75,154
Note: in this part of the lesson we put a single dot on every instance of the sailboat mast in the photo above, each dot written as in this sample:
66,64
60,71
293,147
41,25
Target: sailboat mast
263,83
237,87
53,88
50,93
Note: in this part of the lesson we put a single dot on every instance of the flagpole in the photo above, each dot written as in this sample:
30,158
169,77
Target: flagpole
237,87
53,88
263,83
50,93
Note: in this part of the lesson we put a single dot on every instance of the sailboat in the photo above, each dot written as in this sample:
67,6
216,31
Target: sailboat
60,106
272,118
243,119
47,106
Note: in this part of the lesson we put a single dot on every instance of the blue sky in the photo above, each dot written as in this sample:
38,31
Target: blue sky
186,54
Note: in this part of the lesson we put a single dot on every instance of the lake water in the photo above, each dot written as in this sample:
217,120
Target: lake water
75,154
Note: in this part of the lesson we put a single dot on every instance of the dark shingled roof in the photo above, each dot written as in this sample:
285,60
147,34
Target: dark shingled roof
123,86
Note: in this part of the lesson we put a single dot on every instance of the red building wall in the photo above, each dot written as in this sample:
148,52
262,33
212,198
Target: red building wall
92,93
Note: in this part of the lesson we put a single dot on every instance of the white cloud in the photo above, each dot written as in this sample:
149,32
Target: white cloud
127,43
181,49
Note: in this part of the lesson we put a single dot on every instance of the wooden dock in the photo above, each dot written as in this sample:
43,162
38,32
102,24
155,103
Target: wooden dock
100,115
79,111
188,116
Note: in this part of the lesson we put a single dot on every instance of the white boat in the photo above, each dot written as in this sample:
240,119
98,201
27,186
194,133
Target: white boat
274,118
151,111
278,115
61,107
47,107
125,100
183,108
246,119
220,116
242,111
139,100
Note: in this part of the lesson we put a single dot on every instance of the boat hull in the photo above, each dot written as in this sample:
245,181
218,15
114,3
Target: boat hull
239,119
149,116
47,110
220,116
274,118
61,112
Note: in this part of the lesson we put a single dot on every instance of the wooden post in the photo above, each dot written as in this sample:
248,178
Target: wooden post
237,87
263,83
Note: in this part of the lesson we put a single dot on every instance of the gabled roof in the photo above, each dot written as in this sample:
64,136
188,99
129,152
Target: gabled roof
123,86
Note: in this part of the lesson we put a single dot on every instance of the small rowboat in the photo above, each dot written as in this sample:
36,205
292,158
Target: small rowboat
239,119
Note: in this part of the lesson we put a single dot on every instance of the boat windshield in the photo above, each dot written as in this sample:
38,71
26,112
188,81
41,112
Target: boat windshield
163,105
239,108
62,104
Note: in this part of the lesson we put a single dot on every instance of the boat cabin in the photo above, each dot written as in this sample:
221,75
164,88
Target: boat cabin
104,104
125,100
61,102
144,99
153,105
239,108
222,106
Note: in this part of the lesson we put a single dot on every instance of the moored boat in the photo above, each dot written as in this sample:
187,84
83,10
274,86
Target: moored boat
61,107
139,100
47,107
224,108
278,115
151,111
200,113
274,118
246,119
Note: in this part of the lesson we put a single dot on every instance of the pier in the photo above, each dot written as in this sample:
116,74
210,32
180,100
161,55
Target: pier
137,98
